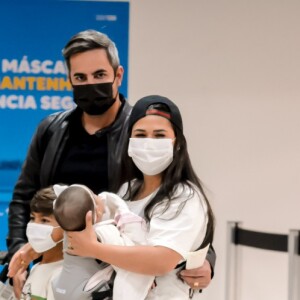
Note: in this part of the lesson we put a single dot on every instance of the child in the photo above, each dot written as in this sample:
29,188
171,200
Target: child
82,276
45,236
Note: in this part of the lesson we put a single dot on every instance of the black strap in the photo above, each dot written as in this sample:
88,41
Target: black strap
262,240
181,265
106,295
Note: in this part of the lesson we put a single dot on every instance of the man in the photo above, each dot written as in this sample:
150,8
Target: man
82,145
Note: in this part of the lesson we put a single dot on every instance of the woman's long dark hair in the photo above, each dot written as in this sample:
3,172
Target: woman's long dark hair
180,171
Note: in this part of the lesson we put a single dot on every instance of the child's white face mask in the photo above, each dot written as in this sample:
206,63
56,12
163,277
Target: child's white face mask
151,156
39,237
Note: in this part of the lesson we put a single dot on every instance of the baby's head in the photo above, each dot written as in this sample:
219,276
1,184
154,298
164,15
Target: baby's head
72,205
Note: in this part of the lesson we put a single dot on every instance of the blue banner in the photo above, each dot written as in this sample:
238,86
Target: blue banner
33,81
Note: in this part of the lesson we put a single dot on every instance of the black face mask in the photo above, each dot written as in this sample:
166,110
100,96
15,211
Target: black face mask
94,99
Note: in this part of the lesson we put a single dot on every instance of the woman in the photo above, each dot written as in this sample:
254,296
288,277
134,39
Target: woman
161,185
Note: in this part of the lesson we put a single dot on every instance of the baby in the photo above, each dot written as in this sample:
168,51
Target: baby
82,277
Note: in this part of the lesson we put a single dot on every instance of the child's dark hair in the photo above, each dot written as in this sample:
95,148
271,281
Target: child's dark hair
42,201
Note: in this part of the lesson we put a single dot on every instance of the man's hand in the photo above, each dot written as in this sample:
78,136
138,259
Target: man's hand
197,278
21,260
18,282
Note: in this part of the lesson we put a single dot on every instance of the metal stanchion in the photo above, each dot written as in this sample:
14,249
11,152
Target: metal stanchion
294,265
232,258
260,240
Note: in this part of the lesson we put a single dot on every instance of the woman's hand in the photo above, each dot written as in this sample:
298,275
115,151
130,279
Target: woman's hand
82,243
21,260
197,278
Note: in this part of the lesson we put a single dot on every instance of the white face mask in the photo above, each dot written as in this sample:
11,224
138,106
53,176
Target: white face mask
151,156
39,237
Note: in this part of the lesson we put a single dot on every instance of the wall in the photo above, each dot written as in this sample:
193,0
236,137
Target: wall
233,68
